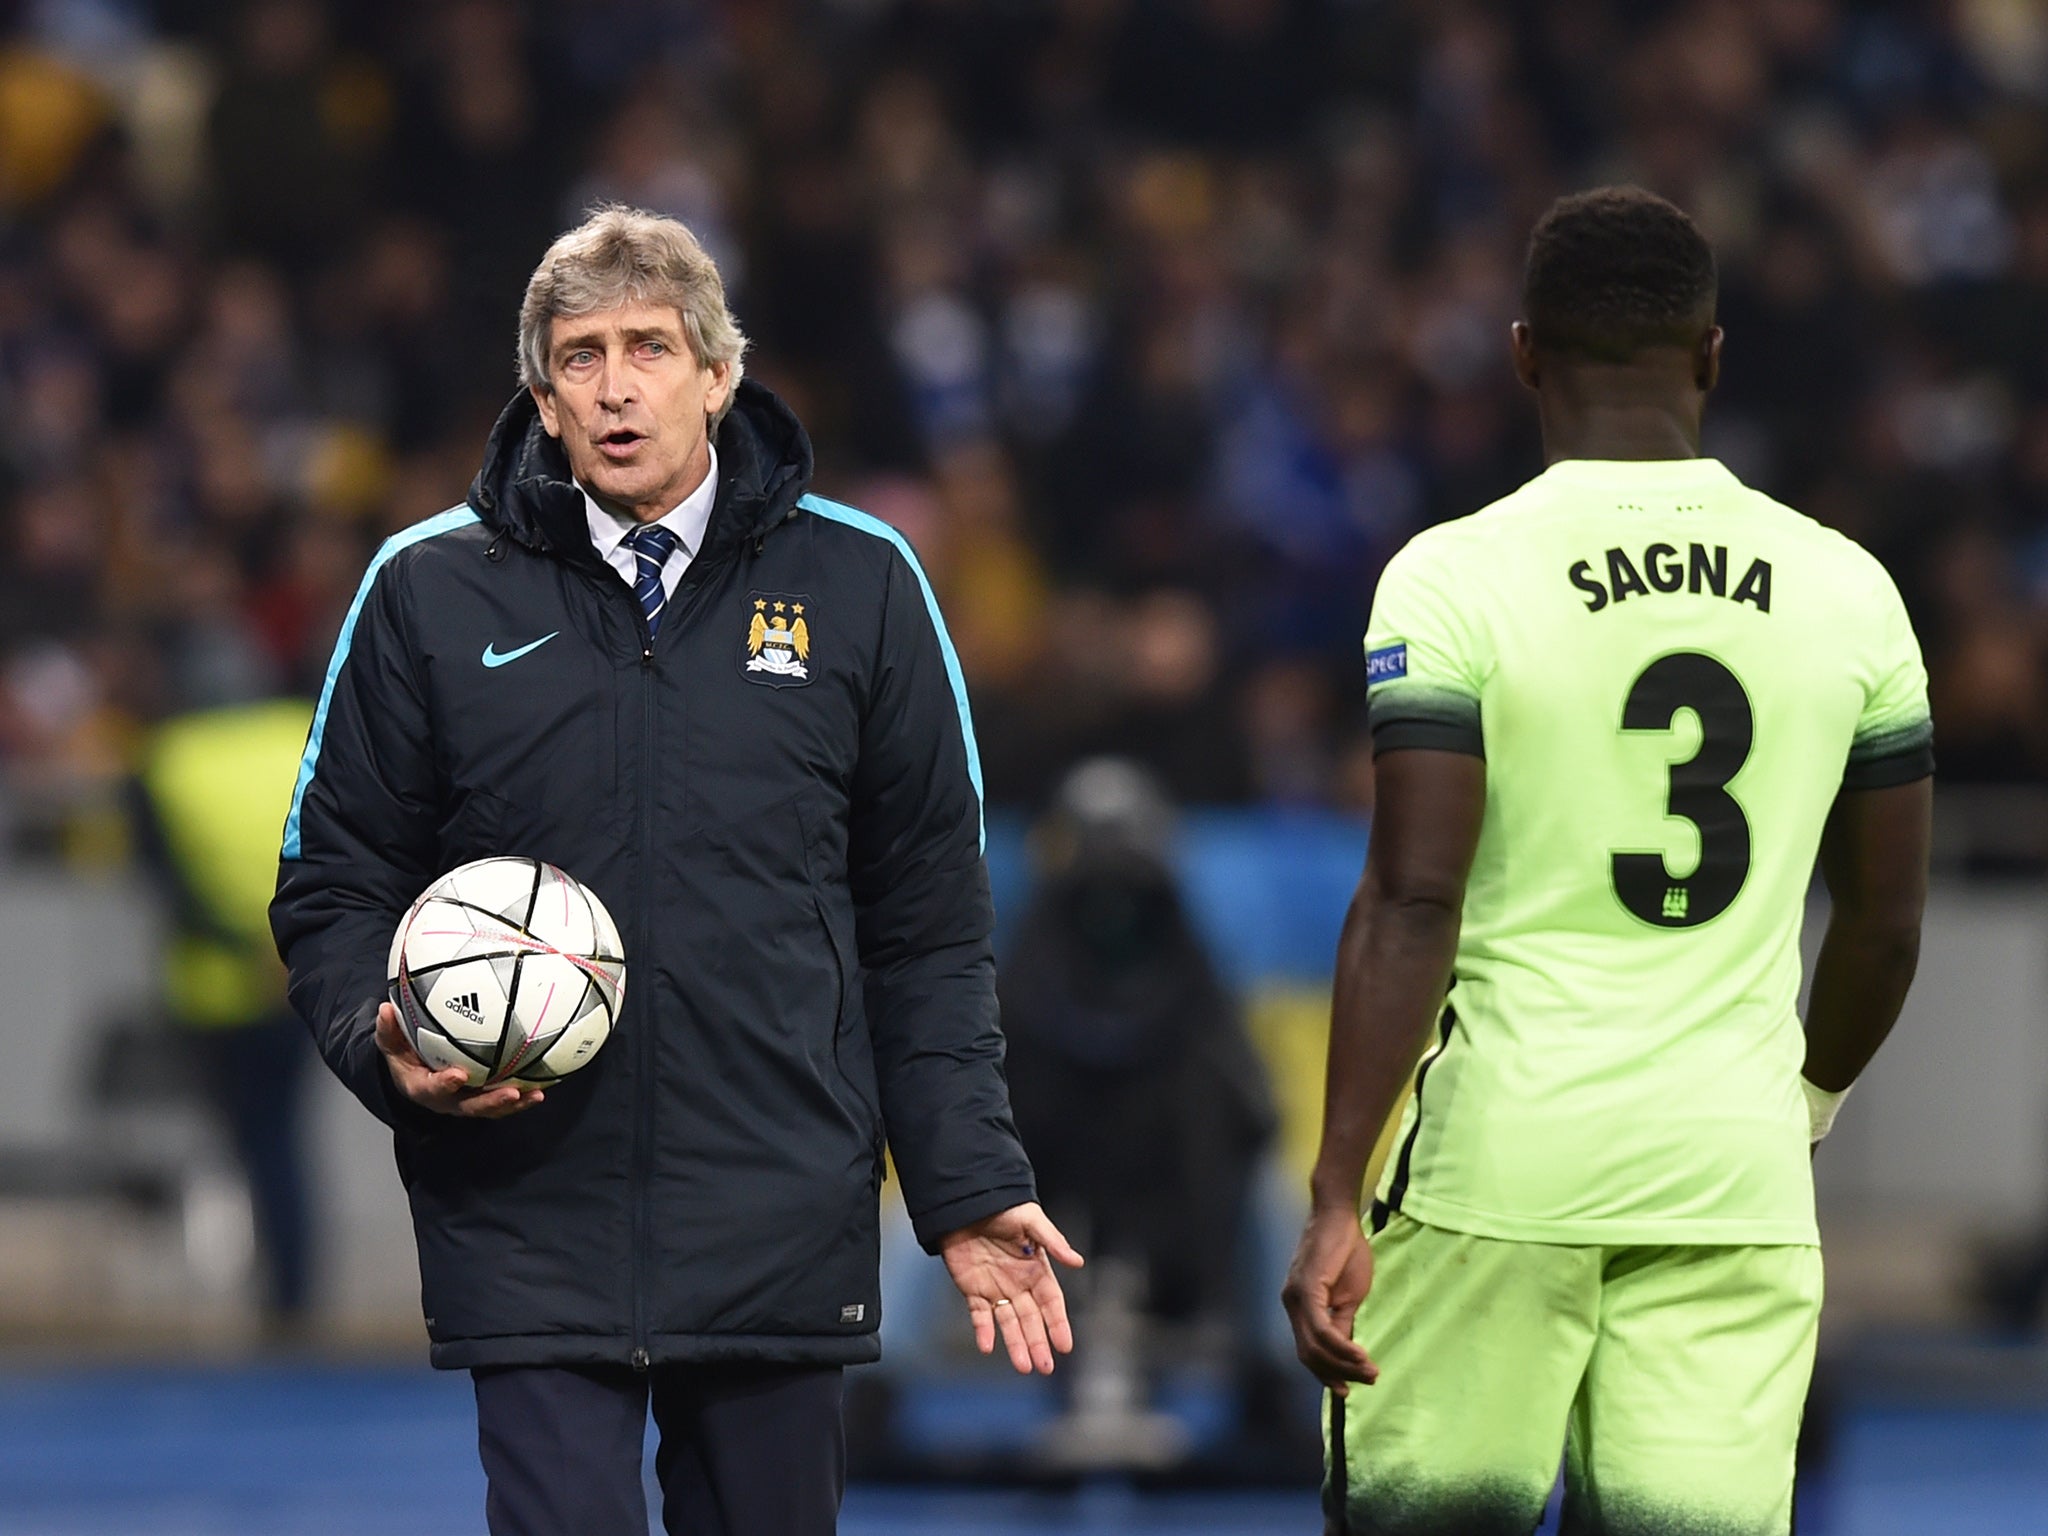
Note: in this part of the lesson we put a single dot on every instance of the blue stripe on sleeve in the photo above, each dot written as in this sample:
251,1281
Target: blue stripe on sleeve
440,523
840,513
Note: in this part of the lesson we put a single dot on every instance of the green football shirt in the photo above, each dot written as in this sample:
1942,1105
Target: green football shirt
1669,676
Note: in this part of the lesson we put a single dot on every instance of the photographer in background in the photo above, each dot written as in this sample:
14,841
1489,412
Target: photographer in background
1132,1079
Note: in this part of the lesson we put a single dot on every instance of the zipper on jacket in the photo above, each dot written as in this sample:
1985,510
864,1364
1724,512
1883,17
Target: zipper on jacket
643,1123
643,1120
638,954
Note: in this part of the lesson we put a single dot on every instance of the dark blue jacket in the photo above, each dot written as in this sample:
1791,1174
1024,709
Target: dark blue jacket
793,853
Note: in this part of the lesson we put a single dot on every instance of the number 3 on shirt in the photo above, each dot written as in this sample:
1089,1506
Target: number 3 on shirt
1698,791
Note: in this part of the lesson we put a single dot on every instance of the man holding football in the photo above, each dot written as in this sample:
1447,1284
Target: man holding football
568,667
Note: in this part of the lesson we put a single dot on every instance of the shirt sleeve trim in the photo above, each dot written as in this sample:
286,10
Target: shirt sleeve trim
1890,770
1399,735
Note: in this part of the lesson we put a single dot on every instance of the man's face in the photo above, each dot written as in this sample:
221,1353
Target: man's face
630,404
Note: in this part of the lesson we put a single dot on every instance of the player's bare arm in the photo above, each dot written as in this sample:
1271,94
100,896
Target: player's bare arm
1873,855
1393,967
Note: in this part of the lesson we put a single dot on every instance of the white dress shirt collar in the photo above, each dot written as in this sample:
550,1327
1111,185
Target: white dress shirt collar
687,522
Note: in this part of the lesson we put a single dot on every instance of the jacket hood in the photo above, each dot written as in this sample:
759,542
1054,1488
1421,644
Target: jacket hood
525,490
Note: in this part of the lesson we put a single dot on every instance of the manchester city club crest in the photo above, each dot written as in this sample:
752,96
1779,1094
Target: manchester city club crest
778,649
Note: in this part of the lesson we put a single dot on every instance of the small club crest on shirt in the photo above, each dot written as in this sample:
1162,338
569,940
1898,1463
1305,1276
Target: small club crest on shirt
778,649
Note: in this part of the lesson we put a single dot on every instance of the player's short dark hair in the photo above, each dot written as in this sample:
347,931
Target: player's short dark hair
1614,271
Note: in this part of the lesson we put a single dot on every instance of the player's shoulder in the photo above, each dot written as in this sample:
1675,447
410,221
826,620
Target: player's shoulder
858,535
430,542
1467,544
1833,554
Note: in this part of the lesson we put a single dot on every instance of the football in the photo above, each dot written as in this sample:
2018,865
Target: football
509,969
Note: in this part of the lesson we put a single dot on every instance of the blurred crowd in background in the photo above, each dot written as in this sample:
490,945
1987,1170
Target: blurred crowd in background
1157,325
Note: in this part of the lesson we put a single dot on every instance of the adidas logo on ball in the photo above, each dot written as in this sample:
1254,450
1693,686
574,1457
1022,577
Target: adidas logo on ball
466,1005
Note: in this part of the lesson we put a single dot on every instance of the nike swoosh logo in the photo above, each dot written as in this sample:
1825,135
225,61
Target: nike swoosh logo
493,659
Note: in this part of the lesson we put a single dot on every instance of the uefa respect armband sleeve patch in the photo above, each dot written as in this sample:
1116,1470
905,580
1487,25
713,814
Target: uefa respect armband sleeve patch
1386,664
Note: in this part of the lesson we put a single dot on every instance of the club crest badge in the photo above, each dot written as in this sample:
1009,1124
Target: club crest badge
778,649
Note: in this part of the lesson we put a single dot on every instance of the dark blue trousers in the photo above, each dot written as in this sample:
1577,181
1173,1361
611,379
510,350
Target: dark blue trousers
744,1450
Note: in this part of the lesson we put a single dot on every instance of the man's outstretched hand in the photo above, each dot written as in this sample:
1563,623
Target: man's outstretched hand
446,1091
1003,1266
1331,1273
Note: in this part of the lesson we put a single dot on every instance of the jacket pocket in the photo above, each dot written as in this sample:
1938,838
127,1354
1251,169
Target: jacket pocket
852,1049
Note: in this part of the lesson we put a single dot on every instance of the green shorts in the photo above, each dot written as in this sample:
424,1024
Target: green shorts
1673,1379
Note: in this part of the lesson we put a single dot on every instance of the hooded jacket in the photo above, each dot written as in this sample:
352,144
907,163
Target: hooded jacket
790,838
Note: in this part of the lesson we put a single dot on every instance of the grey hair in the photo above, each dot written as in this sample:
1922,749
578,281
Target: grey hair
619,255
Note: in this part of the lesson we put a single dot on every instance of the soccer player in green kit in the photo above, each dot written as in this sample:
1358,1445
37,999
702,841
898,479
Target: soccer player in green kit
1616,716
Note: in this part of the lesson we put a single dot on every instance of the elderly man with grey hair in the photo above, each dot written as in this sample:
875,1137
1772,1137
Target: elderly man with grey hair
643,652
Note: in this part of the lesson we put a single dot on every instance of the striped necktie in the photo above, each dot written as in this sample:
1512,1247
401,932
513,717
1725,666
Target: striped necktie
651,545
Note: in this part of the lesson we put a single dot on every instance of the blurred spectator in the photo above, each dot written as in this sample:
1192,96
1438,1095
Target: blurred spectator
1990,676
212,654
653,154
290,136
476,154
51,581
49,113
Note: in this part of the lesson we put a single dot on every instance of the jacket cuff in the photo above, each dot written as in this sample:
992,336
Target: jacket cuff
931,1226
